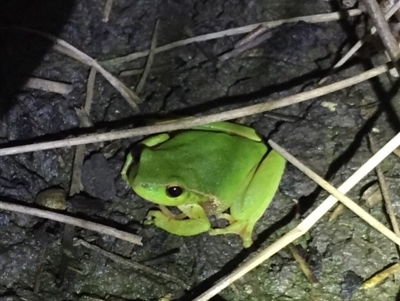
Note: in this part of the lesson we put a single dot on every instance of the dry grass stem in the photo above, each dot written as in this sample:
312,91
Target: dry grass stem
150,59
48,85
162,67
90,90
336,212
378,278
305,225
107,10
38,274
76,176
76,184
249,45
135,239
382,27
385,191
338,195
82,57
304,266
397,152
251,36
131,264
131,72
235,31
206,53
83,114
358,45
188,123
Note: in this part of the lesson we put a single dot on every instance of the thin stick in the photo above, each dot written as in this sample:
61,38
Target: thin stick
188,123
76,177
378,278
90,90
385,191
333,191
72,221
358,45
236,31
76,184
126,93
249,45
132,264
209,55
83,115
304,226
107,10
48,85
251,36
387,38
304,266
150,59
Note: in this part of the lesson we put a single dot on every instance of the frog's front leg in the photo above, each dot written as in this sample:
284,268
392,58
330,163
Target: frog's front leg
247,210
197,221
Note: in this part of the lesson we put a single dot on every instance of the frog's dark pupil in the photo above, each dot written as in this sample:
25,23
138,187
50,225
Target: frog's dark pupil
174,191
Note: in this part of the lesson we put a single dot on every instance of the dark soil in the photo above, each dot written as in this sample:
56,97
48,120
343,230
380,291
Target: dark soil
329,136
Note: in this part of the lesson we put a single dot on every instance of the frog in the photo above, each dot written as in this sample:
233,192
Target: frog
221,169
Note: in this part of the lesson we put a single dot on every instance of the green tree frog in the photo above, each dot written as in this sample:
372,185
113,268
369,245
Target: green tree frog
205,171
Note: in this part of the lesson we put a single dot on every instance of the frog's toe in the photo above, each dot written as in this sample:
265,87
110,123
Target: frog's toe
151,215
243,229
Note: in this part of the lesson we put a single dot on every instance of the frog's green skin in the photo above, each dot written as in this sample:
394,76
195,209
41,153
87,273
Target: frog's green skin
205,171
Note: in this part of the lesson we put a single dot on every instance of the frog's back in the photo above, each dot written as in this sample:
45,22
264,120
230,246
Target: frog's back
209,162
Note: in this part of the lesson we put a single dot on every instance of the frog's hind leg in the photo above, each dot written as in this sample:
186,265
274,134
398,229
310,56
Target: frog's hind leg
247,210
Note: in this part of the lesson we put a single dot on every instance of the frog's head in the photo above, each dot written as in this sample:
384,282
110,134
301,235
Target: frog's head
158,179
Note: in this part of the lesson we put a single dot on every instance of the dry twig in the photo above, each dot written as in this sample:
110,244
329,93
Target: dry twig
209,55
76,178
90,90
249,45
305,225
188,123
75,53
385,191
48,85
235,31
132,264
358,45
378,278
107,10
251,36
304,266
135,239
337,194
139,71
150,59
382,27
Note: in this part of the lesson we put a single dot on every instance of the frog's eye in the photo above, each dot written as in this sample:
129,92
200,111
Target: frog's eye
174,191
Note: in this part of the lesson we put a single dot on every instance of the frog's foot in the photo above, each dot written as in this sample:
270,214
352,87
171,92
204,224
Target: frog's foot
242,228
150,217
